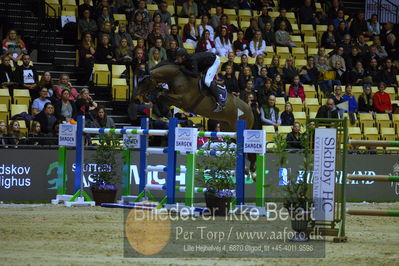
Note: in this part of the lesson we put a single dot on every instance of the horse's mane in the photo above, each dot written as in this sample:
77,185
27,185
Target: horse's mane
164,63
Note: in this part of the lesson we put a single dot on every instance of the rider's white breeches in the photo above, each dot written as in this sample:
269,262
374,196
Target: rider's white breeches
211,73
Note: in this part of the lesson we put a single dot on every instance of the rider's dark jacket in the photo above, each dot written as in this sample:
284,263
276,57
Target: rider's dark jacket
197,63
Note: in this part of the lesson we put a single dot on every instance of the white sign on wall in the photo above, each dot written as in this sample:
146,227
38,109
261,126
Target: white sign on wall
67,135
324,173
254,141
131,141
186,139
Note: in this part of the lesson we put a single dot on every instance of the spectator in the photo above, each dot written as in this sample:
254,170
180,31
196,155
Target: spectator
294,137
373,25
190,31
46,81
172,51
382,53
392,47
322,65
307,13
382,100
257,46
244,77
154,35
189,7
333,11
274,68
259,81
38,103
296,89
124,7
157,20
155,59
26,76
359,26
100,5
105,16
329,39
309,74
205,26
338,99
215,19
222,43
65,109
230,62
341,32
13,46
321,53
389,73
372,54
282,37
244,63
366,101
251,101
158,46
138,28
85,104
264,93
166,17
86,6
174,35
251,30
269,113
287,117
224,23
230,81
138,58
35,136
248,89
388,29
105,52
361,44
86,24
106,29
240,45
15,136
203,7
328,110
144,12
354,57
65,84
3,133
264,18
122,34
289,70
205,44
340,18
351,99
46,118
123,53
278,87
7,78
359,75
374,71
101,120
269,34
282,17
259,64
347,45
86,58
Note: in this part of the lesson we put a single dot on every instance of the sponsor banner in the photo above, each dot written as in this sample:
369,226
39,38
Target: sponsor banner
186,139
255,141
67,135
31,175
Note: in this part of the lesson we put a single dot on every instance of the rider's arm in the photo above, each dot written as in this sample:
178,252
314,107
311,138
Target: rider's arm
193,73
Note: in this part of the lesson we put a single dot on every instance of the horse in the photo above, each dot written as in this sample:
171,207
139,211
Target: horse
184,92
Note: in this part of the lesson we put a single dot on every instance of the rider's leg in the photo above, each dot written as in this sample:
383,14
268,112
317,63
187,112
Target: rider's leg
211,73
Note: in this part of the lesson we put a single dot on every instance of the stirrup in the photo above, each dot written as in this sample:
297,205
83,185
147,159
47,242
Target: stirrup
219,107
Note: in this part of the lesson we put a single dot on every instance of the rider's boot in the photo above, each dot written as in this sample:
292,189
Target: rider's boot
218,97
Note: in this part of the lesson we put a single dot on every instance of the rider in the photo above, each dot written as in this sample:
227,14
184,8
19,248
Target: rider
203,62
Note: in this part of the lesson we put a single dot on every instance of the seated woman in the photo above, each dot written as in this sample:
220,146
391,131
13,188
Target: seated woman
65,109
190,31
15,136
46,81
138,58
85,104
240,46
87,24
257,46
282,37
157,19
123,53
123,34
366,100
3,134
172,51
205,26
13,46
205,44
38,103
105,52
138,28
296,89
358,75
274,68
46,118
230,81
35,136
65,84
337,97
287,117
278,86
101,120
106,29
289,70
329,39
87,52
7,78
155,59
309,74
382,100
352,104
223,44
154,35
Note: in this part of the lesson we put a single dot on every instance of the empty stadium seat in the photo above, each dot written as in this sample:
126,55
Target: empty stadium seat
18,108
382,121
388,133
312,51
282,50
117,70
102,75
300,117
297,104
69,5
120,89
4,113
310,41
371,133
270,131
189,47
366,120
312,104
299,52
355,133
298,41
310,91
307,29
5,98
280,103
121,18
21,96
284,130
395,121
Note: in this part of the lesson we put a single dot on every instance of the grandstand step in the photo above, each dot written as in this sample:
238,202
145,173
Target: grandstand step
123,119
64,61
66,54
66,47
42,66
121,125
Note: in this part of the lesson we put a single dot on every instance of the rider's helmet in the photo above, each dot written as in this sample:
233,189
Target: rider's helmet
181,52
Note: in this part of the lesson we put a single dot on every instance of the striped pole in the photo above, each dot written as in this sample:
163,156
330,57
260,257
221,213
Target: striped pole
374,143
210,134
377,178
374,212
150,132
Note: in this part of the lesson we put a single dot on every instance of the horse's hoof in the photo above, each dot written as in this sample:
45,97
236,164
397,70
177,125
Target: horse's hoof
253,175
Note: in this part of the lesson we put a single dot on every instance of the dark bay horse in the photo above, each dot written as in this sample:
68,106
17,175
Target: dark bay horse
184,93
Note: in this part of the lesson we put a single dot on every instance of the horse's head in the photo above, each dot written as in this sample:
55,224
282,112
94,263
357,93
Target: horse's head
145,84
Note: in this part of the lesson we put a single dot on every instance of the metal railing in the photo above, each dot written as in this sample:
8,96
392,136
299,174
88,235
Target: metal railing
385,7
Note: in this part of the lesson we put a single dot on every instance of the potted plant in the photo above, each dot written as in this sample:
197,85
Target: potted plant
295,192
216,175
104,186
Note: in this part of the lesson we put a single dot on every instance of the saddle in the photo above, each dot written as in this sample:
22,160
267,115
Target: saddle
205,90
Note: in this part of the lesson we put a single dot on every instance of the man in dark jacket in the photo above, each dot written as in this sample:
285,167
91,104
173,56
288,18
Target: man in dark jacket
206,63
294,137
328,110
